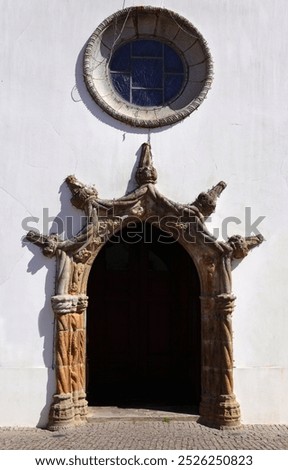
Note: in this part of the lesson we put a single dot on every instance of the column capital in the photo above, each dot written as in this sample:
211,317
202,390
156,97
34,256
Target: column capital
65,304
225,303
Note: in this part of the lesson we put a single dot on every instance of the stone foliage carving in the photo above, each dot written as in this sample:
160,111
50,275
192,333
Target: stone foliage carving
213,261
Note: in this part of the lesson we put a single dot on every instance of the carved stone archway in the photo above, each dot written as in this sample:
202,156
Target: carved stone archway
75,256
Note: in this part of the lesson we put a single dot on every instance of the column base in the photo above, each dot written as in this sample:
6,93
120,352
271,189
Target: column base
222,412
68,410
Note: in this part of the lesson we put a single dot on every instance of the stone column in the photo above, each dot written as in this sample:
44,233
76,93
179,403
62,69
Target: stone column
227,410
218,407
208,379
70,406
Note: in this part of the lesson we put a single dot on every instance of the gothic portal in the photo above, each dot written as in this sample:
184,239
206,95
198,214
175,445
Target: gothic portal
201,253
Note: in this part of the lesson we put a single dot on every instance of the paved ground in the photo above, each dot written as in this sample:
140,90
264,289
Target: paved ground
136,433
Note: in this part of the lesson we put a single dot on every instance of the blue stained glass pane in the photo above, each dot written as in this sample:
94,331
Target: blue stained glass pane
120,61
147,73
147,97
172,61
172,86
121,84
146,48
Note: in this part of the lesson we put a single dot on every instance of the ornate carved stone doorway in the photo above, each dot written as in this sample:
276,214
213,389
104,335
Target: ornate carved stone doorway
143,322
212,258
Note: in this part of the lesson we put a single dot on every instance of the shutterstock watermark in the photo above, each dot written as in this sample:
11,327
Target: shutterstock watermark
248,225
133,229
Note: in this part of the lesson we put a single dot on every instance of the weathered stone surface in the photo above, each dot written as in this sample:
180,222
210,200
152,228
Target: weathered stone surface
212,258
158,23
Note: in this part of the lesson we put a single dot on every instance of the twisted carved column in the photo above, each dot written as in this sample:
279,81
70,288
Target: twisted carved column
218,405
70,405
228,410
208,335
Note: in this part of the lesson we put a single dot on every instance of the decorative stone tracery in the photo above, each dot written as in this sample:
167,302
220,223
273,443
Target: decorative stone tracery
212,258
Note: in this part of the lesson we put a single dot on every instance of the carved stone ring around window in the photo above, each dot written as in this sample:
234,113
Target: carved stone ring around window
147,67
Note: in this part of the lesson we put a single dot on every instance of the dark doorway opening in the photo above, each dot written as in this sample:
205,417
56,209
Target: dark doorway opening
143,323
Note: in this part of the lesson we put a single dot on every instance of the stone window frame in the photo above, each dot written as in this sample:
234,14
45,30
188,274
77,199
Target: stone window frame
212,258
148,23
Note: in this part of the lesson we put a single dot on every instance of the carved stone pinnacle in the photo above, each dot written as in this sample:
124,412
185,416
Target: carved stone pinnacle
206,201
146,173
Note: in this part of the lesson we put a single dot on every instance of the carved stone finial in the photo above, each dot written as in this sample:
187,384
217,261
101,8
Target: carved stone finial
206,201
146,173
48,243
80,192
242,245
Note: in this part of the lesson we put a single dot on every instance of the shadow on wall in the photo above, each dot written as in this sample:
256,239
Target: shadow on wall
45,323
132,183
66,223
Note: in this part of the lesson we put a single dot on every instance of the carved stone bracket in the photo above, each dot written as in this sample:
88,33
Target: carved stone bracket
212,258
242,245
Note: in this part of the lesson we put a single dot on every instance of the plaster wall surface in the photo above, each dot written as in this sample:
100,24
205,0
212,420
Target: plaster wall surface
50,128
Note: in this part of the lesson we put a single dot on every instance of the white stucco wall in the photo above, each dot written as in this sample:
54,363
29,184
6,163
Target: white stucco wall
50,130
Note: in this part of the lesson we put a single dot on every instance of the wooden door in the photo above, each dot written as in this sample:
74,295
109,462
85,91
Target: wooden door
143,322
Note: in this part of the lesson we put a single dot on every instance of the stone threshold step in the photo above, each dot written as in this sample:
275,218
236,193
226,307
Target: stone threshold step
100,413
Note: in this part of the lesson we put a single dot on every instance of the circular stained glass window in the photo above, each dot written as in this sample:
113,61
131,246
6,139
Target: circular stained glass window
147,72
147,66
